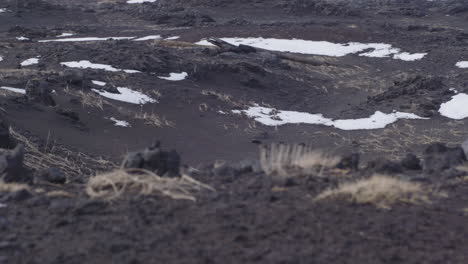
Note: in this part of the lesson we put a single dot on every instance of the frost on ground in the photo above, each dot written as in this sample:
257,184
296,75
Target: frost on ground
462,64
11,89
120,123
85,39
379,50
273,117
31,61
152,37
175,76
127,95
455,108
140,1
84,64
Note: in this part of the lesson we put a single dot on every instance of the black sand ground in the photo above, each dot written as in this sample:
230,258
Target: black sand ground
244,221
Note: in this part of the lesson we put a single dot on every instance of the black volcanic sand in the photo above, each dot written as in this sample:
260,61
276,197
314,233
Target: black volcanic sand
246,219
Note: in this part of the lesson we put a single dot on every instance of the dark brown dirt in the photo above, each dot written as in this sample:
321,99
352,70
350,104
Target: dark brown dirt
250,218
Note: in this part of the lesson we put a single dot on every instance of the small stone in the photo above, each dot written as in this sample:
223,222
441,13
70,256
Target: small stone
53,175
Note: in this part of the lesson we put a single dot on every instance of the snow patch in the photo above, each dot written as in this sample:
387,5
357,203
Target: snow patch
175,76
15,90
65,35
273,117
324,48
456,108
84,64
31,61
3,10
148,38
409,57
22,38
127,95
140,1
120,123
462,64
85,39
1,58
98,83
173,38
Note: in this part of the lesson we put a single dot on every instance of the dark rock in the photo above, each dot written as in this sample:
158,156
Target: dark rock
411,162
53,175
19,196
91,207
438,157
464,146
350,161
153,158
5,139
11,165
39,92
384,166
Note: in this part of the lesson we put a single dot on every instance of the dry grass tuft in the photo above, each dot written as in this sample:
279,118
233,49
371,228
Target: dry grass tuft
91,100
379,190
137,181
70,162
153,119
282,160
12,187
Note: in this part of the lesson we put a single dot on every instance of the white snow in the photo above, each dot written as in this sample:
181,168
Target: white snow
84,64
325,48
1,58
30,61
16,90
462,64
409,57
85,39
99,83
3,10
22,38
173,38
127,95
175,76
65,35
120,123
455,108
272,117
148,38
140,1
2,205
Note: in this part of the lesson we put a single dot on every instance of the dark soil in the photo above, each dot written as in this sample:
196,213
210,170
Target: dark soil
251,217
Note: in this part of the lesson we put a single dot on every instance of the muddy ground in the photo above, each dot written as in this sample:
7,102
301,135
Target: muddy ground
249,217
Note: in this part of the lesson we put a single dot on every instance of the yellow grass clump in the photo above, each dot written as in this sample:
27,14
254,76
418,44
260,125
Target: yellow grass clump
379,190
282,160
114,184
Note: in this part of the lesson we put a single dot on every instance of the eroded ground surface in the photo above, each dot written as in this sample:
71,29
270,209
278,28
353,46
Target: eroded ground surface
250,217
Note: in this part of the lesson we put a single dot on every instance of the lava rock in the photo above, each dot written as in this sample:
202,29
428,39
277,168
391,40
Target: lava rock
411,162
350,161
464,146
11,165
5,139
53,175
438,157
39,92
153,158
18,196
384,166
